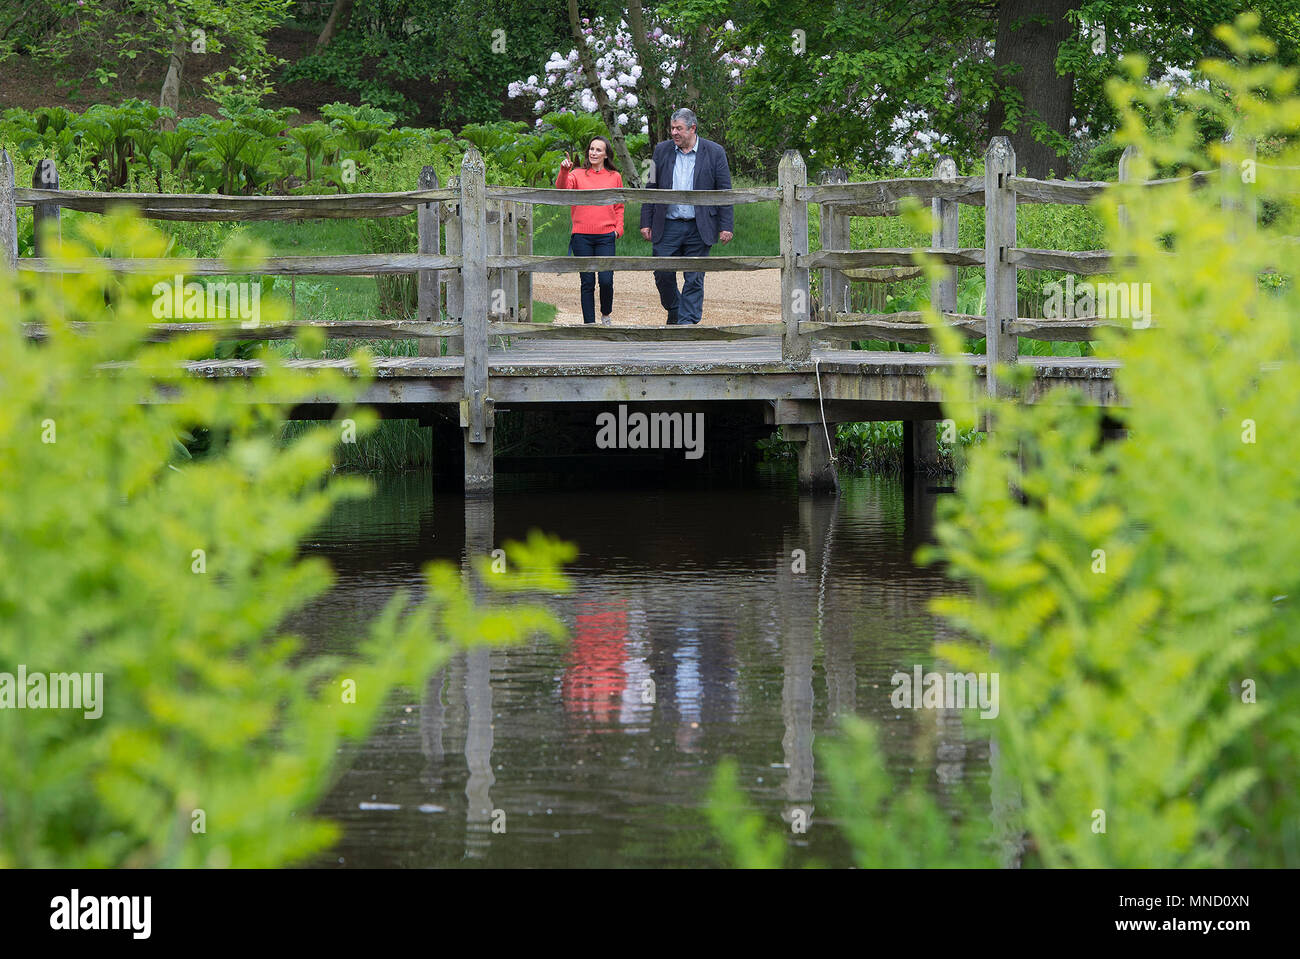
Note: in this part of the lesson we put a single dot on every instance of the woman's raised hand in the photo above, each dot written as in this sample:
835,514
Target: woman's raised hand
567,163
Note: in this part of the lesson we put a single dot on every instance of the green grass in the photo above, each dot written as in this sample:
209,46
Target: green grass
393,445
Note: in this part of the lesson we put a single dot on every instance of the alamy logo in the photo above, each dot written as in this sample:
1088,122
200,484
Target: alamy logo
226,300
1110,301
945,691
102,912
84,691
654,431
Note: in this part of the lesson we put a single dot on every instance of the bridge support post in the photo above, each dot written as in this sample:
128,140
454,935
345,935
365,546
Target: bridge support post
1001,347
791,174
455,278
476,407
920,448
498,301
510,247
1126,161
525,246
428,300
834,232
816,471
921,437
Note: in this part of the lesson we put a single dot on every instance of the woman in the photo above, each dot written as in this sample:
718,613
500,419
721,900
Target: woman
595,228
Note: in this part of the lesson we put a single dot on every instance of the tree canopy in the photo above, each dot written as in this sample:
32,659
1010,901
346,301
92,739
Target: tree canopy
877,82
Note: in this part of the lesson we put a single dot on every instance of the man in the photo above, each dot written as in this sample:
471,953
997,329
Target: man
687,162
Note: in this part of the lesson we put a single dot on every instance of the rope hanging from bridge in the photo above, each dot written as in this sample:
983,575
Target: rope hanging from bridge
830,450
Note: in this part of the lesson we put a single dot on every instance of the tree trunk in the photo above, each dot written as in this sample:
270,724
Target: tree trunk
1030,34
339,16
631,175
170,98
650,85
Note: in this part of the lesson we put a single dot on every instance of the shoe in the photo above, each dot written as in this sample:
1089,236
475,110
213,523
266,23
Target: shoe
605,320
672,317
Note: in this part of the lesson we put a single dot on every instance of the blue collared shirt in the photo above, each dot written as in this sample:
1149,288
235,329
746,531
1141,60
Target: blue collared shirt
684,179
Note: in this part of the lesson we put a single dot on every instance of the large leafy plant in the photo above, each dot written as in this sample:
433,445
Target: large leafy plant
172,578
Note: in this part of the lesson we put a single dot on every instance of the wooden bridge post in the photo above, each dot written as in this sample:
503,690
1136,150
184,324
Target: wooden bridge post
428,221
526,276
817,473
455,278
476,408
1001,347
1126,160
8,215
45,177
498,307
921,437
1239,204
510,247
791,174
833,231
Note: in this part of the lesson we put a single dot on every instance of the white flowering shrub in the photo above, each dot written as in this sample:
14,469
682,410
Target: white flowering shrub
562,85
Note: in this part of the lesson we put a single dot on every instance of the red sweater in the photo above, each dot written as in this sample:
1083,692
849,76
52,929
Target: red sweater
593,219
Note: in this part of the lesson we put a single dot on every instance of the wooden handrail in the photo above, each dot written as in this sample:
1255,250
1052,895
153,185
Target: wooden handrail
904,327
895,256
964,189
208,207
350,264
1079,192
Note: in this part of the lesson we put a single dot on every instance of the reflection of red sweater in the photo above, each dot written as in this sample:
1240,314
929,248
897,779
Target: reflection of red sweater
593,219
594,679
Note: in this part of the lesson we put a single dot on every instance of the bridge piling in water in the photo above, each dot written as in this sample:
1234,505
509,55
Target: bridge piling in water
476,406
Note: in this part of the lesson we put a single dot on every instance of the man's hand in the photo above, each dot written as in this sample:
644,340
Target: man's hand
645,233
725,236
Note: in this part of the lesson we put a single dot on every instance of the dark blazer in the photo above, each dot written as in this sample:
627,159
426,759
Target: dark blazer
711,173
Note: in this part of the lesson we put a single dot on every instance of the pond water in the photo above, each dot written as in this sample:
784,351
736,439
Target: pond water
691,639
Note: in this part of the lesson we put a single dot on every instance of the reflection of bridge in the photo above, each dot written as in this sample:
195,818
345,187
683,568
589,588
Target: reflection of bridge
790,654
476,241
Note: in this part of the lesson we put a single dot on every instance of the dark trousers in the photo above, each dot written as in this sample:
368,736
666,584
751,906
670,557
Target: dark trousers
595,244
681,238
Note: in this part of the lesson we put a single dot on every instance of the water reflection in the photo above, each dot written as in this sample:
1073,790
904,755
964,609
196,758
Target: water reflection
704,623
599,664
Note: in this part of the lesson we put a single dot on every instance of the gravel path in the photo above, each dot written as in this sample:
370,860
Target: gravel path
729,298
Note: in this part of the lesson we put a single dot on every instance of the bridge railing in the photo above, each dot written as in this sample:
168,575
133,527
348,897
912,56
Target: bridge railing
475,243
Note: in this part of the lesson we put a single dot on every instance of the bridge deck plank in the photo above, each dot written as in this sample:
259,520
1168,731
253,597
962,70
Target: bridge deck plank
756,355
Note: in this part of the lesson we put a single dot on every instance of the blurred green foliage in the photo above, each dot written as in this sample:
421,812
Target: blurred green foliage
1138,599
172,578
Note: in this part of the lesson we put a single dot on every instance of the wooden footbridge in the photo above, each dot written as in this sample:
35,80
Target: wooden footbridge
481,354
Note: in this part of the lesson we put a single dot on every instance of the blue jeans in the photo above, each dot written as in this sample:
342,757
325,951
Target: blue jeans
595,244
681,238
